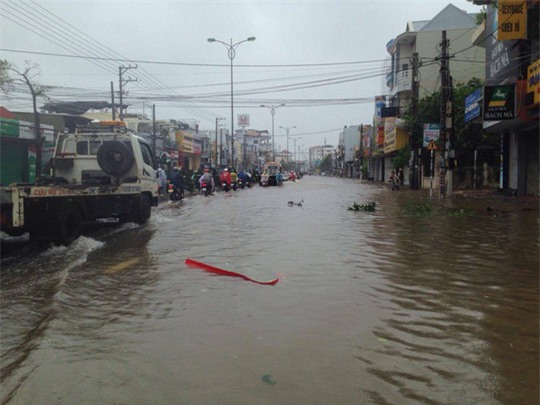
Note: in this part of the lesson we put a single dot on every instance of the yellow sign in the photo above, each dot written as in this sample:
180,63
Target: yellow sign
395,140
533,81
432,145
512,20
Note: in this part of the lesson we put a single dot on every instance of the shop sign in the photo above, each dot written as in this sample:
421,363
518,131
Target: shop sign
27,131
380,135
9,127
431,133
512,18
472,105
499,102
533,83
379,104
502,57
395,140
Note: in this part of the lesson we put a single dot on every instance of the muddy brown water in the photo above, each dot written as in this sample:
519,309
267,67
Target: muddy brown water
410,304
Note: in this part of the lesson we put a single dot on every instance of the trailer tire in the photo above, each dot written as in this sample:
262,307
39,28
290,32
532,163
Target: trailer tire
114,158
143,209
69,224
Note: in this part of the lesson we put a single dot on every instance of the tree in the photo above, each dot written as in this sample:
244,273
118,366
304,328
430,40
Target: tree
26,76
326,164
468,136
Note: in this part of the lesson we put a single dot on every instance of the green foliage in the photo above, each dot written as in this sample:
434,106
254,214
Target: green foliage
326,164
402,157
367,207
468,136
6,81
481,16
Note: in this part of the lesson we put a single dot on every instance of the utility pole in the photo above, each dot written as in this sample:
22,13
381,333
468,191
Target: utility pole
221,146
288,129
154,130
112,100
443,112
361,150
122,82
416,148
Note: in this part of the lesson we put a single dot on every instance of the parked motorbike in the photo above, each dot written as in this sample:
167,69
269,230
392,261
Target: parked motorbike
175,194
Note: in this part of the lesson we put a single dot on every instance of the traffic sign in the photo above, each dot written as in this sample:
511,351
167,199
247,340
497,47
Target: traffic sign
432,145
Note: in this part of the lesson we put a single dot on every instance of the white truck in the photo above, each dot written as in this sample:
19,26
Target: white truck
101,173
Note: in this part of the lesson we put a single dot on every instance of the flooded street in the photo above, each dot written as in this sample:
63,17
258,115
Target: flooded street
410,304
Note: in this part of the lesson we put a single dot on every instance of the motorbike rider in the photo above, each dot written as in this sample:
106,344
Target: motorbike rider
207,178
242,176
225,177
178,181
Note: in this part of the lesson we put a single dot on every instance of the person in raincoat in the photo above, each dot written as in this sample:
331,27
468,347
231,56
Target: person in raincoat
162,181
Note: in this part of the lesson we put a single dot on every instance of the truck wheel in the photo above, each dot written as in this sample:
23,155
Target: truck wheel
69,224
114,158
143,210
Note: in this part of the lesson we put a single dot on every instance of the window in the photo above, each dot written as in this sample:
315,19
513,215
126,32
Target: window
147,154
82,147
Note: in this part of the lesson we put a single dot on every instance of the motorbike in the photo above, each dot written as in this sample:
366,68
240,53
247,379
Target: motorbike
175,194
241,183
225,186
206,189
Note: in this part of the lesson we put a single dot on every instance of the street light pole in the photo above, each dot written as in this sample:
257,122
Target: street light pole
287,129
217,123
231,52
273,112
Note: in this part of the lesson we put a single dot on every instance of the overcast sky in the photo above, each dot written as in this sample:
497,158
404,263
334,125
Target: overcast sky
323,59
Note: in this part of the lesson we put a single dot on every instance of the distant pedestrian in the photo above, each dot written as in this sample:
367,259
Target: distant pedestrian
162,181
394,180
401,176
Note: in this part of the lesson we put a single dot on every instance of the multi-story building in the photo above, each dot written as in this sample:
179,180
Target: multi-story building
510,36
421,42
318,153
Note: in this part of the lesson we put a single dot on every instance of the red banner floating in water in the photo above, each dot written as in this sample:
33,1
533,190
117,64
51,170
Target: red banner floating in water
216,270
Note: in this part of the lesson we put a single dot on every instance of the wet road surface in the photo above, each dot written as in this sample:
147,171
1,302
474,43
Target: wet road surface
410,304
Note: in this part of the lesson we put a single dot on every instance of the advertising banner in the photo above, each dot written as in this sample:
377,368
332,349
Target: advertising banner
431,133
243,120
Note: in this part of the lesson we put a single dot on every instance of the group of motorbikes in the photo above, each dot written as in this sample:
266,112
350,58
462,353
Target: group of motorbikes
190,182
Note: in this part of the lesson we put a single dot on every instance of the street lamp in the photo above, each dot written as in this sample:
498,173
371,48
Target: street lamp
273,112
231,51
287,129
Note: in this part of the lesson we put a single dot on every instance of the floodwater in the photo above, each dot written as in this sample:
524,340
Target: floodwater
410,304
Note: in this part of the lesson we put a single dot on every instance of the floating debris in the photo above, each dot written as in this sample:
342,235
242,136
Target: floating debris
298,204
367,207
267,378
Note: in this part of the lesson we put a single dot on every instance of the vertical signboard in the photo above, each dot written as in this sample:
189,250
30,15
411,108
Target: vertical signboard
533,83
502,58
472,105
512,16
